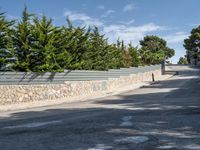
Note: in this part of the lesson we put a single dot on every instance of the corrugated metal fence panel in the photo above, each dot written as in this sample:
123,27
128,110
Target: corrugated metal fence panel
10,78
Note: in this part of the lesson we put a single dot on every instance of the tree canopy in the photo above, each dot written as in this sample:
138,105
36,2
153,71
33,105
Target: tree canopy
183,61
40,46
154,50
6,42
192,44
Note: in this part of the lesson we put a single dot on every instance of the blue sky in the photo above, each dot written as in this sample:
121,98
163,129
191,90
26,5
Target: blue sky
129,20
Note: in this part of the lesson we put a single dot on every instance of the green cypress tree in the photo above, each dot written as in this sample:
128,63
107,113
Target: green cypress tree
76,44
126,56
23,41
6,42
98,52
114,55
120,54
133,51
63,57
5,32
46,47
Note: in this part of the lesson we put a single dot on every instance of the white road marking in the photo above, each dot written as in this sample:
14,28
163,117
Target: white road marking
132,139
165,147
33,125
101,148
126,121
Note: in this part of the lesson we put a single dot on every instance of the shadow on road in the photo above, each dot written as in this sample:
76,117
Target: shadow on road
166,112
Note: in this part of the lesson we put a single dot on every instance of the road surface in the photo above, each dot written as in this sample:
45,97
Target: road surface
162,116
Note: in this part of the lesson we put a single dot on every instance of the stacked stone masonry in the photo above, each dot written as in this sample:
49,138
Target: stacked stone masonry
16,94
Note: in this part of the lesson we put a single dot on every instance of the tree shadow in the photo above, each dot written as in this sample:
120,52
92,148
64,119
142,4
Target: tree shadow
33,77
166,112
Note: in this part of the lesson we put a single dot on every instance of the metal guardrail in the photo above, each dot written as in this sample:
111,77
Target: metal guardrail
15,78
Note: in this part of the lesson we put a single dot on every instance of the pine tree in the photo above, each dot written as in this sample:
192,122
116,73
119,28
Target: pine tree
6,42
97,55
192,46
120,54
76,45
22,42
38,45
133,51
47,52
126,56
5,32
114,57
63,57
154,50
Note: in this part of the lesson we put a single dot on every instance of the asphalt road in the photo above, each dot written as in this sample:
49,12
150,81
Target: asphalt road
162,116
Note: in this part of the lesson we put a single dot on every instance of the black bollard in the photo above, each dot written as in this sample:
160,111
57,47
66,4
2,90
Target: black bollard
153,79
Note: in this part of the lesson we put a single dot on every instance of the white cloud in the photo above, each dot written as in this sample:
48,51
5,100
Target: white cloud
129,33
107,13
125,31
87,20
176,38
128,7
195,24
101,7
128,22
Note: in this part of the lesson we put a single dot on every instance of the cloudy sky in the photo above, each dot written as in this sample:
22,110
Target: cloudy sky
129,20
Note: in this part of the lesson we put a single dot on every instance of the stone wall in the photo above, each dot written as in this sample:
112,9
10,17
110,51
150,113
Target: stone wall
133,79
14,94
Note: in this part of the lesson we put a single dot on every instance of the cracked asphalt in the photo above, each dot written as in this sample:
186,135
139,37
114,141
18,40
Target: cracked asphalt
161,116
